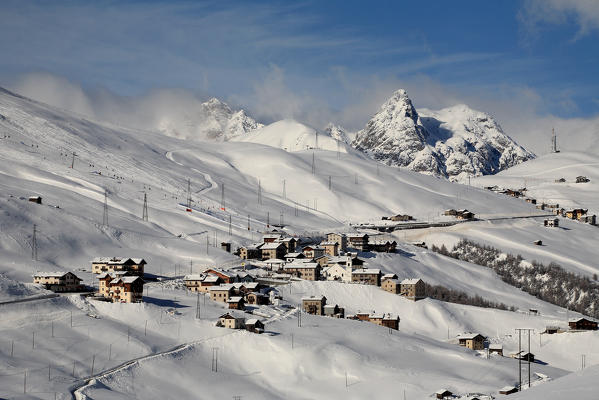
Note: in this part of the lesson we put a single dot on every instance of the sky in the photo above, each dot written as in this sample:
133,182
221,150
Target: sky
532,64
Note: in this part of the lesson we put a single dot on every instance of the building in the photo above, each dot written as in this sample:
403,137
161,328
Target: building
367,276
58,281
496,348
221,293
582,324
450,213
334,311
464,214
338,272
111,264
382,246
582,179
257,299
330,248
575,213
313,252
272,237
236,303
401,218
291,257
588,219
105,279
508,390
36,199
358,241
201,283
273,250
314,305
225,276
120,287
225,246
531,200
231,322
443,394
391,285
340,238
524,356
551,222
252,252
413,289
290,244
254,325
307,271
472,341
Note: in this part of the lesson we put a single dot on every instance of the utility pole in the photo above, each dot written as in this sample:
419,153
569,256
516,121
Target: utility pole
230,231
284,190
198,307
105,215
313,165
34,243
519,330
215,359
299,316
189,194
259,192
222,197
249,222
190,267
144,215
73,160
268,219
329,182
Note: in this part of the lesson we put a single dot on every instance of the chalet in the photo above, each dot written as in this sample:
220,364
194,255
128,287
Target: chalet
496,348
138,266
231,322
472,341
366,276
401,218
226,276
307,271
524,356
513,193
391,285
243,276
330,248
291,257
575,213
111,264
358,241
538,242
236,303
334,311
206,283
450,213
588,219
193,282
290,244
314,305
443,394
362,316
257,299
58,281
252,252
382,246
552,329
464,214
35,199
254,325
582,179
340,238
221,293
508,390
273,250
338,272
105,279
551,222
125,289
313,251
413,289
582,324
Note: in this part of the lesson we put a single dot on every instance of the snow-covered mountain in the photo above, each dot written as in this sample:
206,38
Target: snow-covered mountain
455,142
337,132
212,120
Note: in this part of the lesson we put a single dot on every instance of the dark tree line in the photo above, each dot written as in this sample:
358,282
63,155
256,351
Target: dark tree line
551,283
442,293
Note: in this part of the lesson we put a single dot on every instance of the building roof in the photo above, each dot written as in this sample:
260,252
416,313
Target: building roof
495,346
111,260
411,281
390,276
55,274
252,321
194,277
294,255
287,239
367,271
220,288
329,244
308,265
271,246
442,391
139,261
211,279
357,235
469,335
235,299
320,298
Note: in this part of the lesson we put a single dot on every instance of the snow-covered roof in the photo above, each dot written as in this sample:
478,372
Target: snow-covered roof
441,391
235,299
329,244
367,271
410,281
293,255
308,265
194,277
220,288
125,279
287,239
320,298
252,321
495,346
469,335
139,260
271,246
211,279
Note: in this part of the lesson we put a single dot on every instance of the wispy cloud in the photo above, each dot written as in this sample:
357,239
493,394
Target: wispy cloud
536,13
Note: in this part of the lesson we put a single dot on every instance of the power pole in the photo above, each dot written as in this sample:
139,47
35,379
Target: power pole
249,222
329,182
313,165
230,231
34,243
222,197
259,192
189,193
519,330
268,219
73,160
144,215
198,307
105,215
215,359
284,190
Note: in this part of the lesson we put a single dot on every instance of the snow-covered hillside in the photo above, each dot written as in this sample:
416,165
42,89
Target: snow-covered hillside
455,142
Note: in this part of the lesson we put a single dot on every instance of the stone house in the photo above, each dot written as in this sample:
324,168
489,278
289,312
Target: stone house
330,248
254,325
340,239
413,289
307,271
334,311
358,241
273,250
221,293
236,303
125,289
367,276
231,322
391,285
314,305
252,252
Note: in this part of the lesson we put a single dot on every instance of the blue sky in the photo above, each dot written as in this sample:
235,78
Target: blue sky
317,60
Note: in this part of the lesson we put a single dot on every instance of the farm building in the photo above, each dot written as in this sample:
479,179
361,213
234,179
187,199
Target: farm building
582,324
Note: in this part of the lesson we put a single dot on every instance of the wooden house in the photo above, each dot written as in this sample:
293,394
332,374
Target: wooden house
582,324
472,341
362,316
236,303
272,237
496,348
390,321
401,218
252,252
225,246
254,325
443,394
314,305
340,239
552,329
575,213
582,179
58,281
367,276
524,356
551,222
413,289
257,299
588,219
225,276
290,244
464,214
382,246
231,322
450,213
313,251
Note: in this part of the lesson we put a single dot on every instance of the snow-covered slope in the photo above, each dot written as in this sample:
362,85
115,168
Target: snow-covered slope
455,142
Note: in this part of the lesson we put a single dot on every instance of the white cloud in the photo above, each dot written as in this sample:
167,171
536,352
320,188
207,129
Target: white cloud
585,13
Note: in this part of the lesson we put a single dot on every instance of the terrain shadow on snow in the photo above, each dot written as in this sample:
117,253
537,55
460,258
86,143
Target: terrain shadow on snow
164,302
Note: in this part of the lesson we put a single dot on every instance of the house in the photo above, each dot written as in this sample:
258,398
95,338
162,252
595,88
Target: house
413,289
226,276
464,214
236,303
345,260
450,213
105,279
362,316
111,264
35,199
496,348
419,244
382,246
254,325
538,242
138,266
513,193
551,222
524,356
307,271
273,250
575,213
272,237
588,219
314,305
391,285
323,261
257,299
125,289
338,272
559,211
472,341
358,241
334,311
551,329
291,257
221,293
367,276
541,206
389,276
582,179
582,324
508,390
313,251
290,244
252,252
201,283
389,321
231,322
340,238
401,218
443,394
58,281
330,248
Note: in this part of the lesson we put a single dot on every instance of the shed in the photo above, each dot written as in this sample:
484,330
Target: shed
443,393
36,199
508,390
254,325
